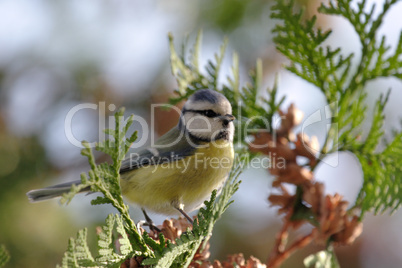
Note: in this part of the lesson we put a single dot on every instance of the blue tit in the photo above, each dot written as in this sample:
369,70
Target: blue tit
183,167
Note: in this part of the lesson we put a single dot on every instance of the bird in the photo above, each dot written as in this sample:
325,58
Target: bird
182,168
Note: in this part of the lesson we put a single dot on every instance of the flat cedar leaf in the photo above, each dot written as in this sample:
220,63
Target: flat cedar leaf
183,73
75,189
130,141
125,247
376,130
69,260
105,240
196,51
382,178
100,201
82,253
213,68
157,247
172,254
79,255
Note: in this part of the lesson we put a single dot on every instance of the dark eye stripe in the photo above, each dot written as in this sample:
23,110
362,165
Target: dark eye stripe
208,113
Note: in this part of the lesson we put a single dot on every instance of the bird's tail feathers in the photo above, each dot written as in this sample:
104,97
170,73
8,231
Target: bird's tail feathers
52,191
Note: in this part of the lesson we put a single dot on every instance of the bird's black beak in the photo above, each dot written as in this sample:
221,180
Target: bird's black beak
230,117
226,119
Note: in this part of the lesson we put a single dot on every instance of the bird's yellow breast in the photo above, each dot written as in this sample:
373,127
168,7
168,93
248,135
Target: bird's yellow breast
187,181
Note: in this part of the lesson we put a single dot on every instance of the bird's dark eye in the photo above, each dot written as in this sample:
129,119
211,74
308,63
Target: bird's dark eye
209,113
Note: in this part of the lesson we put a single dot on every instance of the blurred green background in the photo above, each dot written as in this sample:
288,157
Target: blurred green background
55,55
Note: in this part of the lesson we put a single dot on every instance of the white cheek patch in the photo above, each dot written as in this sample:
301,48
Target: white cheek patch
216,126
198,125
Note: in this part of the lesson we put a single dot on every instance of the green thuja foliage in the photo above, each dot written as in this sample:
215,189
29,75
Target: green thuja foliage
119,239
114,246
104,178
343,85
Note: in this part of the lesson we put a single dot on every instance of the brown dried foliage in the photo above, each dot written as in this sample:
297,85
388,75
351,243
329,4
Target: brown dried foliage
328,213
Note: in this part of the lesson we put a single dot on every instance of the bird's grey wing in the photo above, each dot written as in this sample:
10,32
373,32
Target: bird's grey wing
170,147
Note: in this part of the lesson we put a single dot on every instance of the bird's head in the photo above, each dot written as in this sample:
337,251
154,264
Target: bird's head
207,116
